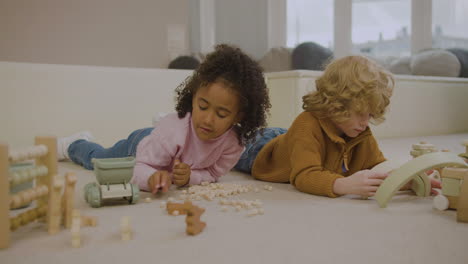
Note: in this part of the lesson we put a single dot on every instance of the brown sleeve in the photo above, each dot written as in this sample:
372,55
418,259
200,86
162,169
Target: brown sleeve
307,172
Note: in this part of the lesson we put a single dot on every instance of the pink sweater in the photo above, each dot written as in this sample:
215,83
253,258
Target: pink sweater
175,138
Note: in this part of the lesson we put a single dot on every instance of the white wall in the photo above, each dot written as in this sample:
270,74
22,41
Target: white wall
243,23
48,99
93,32
111,102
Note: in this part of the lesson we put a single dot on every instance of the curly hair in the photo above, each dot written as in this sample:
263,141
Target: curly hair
243,75
351,84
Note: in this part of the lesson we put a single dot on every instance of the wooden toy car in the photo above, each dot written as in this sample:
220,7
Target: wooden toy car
113,177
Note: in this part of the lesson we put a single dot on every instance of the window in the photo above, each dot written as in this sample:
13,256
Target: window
310,21
381,28
449,24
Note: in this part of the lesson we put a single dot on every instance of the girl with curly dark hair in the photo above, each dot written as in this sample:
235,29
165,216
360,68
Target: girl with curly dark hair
219,108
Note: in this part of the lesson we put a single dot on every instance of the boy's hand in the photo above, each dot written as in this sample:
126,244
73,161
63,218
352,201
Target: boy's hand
181,173
160,180
364,183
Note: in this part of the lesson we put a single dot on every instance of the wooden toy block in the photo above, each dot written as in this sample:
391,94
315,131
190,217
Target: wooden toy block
450,186
454,173
465,155
423,145
54,207
422,148
419,184
412,169
453,202
75,229
125,229
453,179
68,200
462,210
4,198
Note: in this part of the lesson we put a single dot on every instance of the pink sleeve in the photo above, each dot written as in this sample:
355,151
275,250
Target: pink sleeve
153,153
223,165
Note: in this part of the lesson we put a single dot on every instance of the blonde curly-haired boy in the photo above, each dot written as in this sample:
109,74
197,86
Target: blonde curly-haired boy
329,148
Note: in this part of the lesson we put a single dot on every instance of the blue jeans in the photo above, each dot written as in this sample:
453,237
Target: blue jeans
82,151
251,150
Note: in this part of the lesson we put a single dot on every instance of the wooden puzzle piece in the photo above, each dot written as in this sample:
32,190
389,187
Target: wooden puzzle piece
194,225
181,208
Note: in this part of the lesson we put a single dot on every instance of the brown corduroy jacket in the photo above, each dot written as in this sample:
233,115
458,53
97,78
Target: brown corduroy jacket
312,155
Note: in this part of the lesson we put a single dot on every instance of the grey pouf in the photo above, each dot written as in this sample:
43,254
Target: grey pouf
436,62
276,59
184,63
462,56
310,56
401,66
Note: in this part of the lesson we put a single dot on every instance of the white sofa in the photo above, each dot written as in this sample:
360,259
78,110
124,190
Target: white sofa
296,227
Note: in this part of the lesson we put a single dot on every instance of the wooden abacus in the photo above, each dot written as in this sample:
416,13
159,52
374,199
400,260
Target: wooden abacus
47,190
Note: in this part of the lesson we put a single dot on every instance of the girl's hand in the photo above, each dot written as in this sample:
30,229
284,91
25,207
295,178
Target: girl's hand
160,180
181,173
364,183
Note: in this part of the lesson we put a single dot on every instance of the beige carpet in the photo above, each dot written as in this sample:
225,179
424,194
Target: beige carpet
296,228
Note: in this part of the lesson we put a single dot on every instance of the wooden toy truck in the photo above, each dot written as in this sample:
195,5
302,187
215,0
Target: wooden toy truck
113,177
